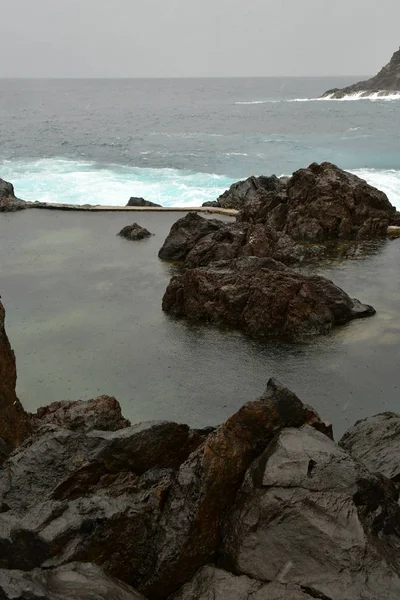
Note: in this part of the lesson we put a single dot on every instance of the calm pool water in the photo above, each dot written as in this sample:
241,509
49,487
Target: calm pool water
84,317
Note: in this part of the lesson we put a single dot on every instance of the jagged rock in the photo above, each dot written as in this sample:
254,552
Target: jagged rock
325,202
249,190
211,583
8,201
375,442
308,514
212,203
102,413
384,83
133,201
261,298
184,235
206,486
14,422
74,581
134,232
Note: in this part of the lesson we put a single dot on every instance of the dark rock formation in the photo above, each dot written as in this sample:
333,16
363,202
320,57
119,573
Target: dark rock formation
8,200
14,422
216,584
308,514
212,203
375,442
197,241
262,298
386,82
74,581
134,232
395,220
249,190
133,201
325,202
102,413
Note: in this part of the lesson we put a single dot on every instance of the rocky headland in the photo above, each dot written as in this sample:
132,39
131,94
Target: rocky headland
265,506
385,83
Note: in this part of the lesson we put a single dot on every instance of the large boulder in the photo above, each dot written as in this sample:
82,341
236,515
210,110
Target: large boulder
8,201
134,232
325,202
375,442
185,234
133,201
74,581
250,190
310,515
386,82
262,298
15,424
205,488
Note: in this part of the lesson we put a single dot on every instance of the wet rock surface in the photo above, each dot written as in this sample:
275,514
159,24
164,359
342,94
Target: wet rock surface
133,201
134,232
310,515
8,201
74,581
14,422
262,298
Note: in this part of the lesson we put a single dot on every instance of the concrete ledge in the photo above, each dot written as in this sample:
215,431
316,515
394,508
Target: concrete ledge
99,208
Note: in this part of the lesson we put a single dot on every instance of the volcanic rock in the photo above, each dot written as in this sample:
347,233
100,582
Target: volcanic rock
308,514
133,201
262,298
15,424
74,581
386,82
8,200
134,232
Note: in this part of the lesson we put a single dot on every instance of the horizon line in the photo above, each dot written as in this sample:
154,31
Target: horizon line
49,77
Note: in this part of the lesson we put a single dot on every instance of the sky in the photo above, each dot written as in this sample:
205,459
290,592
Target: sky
196,38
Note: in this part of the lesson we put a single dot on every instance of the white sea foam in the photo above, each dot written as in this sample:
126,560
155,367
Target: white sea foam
387,180
84,182
259,102
377,96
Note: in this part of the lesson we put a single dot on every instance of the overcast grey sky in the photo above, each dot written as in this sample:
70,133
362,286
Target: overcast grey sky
180,38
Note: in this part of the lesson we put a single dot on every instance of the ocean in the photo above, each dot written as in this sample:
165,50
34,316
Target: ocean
181,142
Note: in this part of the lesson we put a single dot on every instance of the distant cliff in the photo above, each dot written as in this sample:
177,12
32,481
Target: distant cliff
386,82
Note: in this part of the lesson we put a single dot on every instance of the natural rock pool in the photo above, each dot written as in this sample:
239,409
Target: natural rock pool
84,318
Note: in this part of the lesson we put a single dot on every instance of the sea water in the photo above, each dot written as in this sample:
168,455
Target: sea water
181,142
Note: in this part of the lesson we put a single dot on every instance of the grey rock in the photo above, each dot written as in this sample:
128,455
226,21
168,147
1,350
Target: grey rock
309,515
133,201
134,232
184,235
249,190
211,583
74,581
375,442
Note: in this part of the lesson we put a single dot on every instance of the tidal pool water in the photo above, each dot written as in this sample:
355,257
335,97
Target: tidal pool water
84,318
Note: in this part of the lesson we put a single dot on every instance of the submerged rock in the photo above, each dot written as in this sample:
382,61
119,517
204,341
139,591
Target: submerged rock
8,200
15,424
133,201
309,515
386,82
74,581
134,232
262,298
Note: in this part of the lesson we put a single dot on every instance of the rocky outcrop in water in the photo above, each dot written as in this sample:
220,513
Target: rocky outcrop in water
134,232
133,201
262,298
386,82
8,201
14,422
248,190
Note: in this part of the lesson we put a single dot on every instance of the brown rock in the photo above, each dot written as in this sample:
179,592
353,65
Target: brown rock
8,200
261,298
102,413
14,421
134,232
